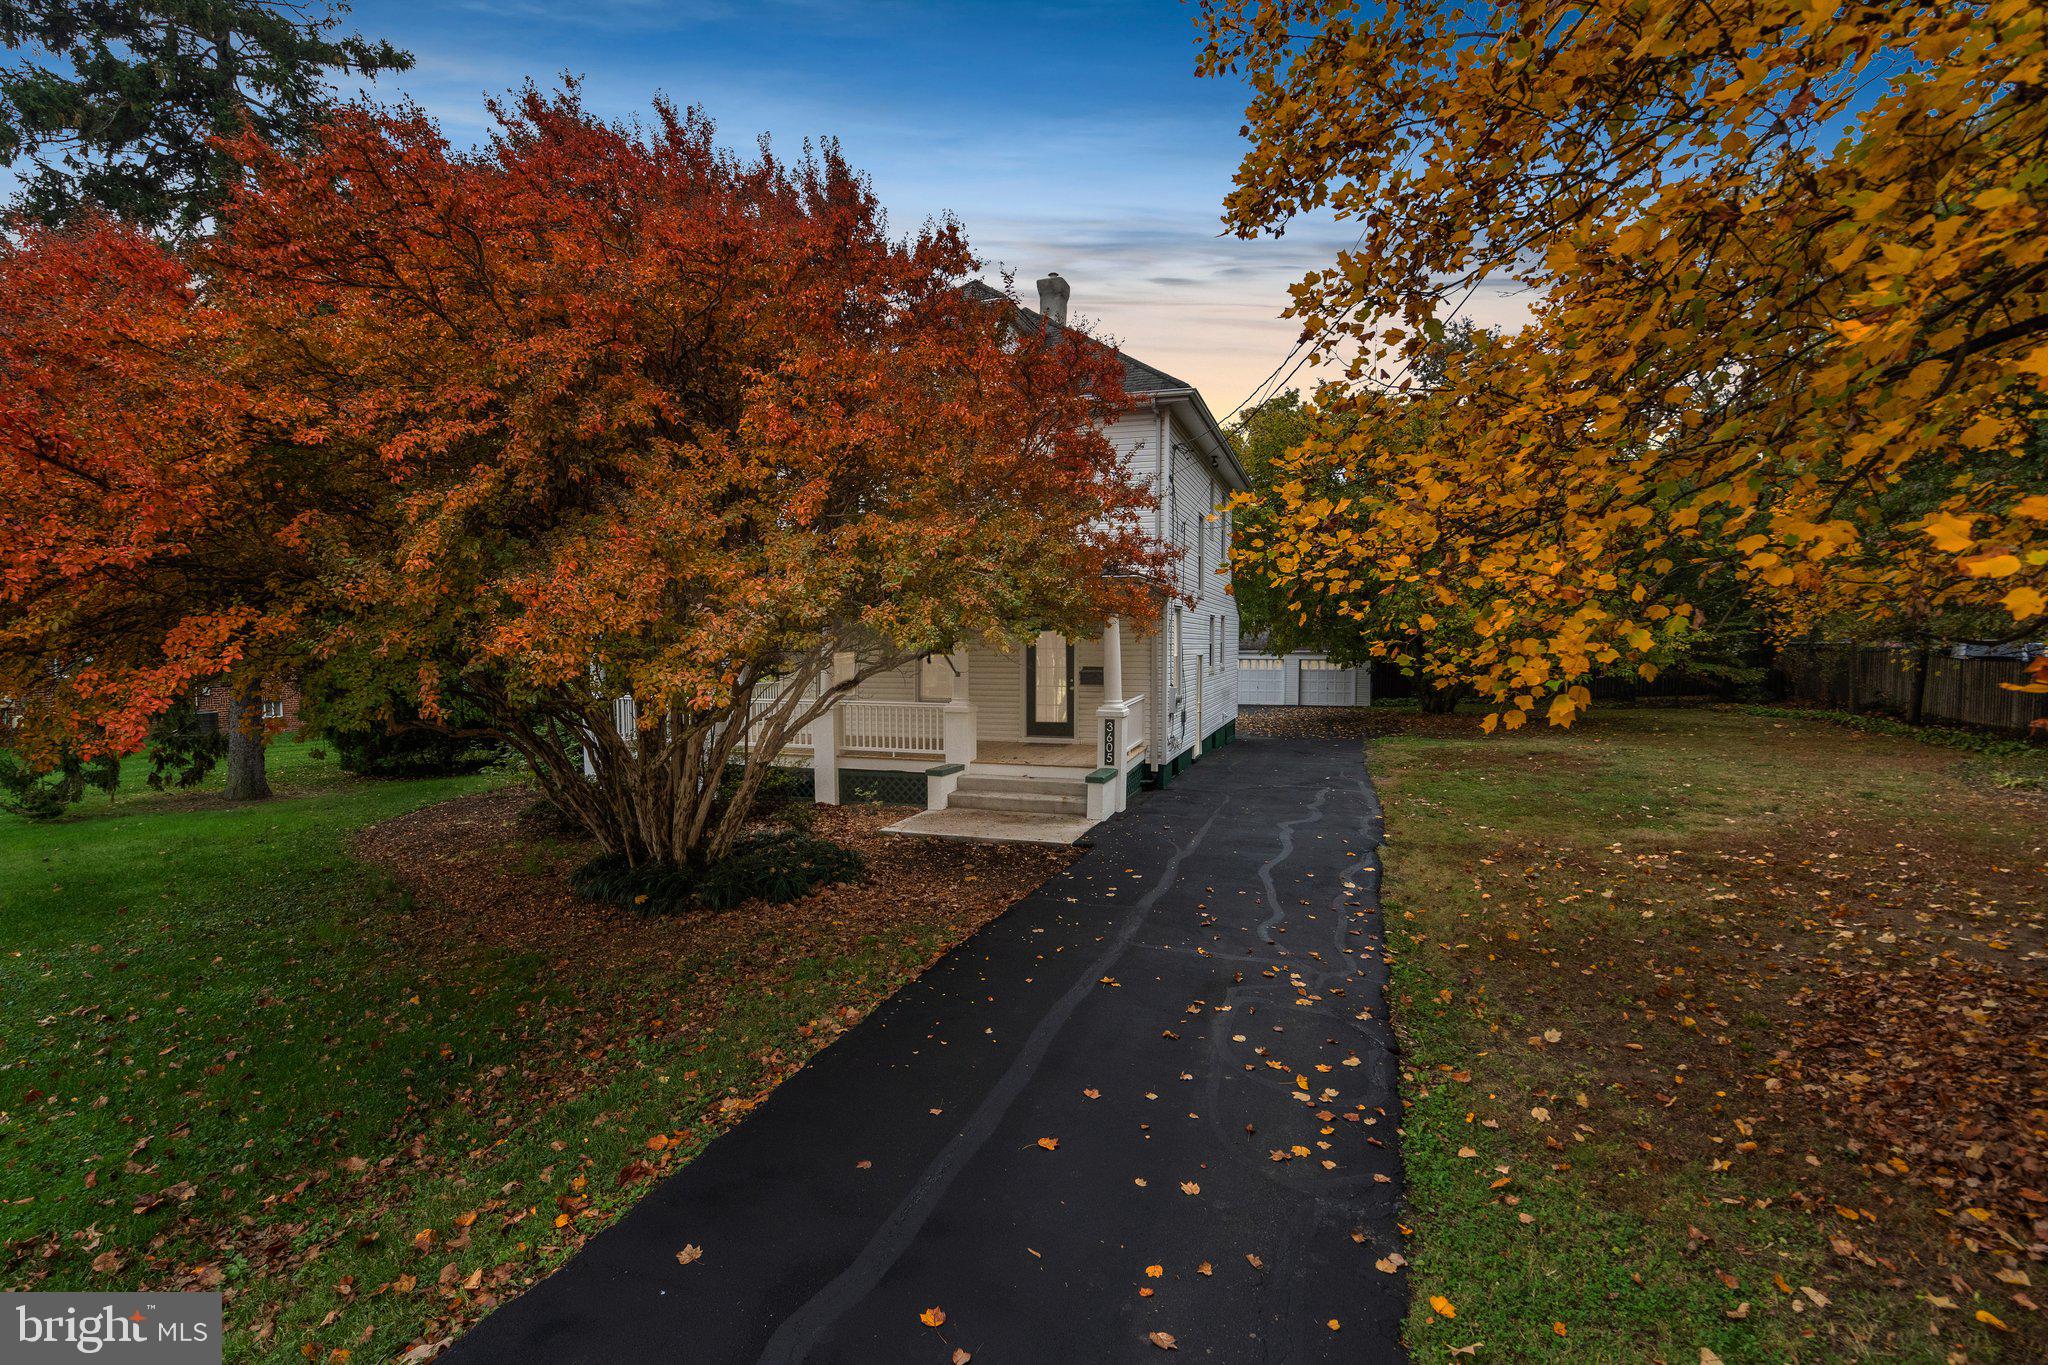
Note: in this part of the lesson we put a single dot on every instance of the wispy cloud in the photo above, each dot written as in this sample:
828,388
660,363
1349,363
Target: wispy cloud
1066,136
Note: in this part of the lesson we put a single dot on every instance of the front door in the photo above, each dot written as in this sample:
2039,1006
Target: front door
1049,686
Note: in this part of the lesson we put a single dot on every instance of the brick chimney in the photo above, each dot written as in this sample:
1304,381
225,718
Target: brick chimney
1052,299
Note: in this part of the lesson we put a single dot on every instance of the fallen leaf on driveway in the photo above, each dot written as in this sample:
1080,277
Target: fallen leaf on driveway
1390,1264
933,1317
1164,1341
960,1356
1050,1144
688,1254
1190,1187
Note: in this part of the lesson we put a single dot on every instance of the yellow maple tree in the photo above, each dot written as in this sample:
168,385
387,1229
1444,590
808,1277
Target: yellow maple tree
1787,264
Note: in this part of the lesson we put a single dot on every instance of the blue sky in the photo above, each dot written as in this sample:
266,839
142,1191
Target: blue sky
1066,137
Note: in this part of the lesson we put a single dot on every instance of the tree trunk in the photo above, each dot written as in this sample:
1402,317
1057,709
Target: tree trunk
246,779
1916,708
1439,701
654,797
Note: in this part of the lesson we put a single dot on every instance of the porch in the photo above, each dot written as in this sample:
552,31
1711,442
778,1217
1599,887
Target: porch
1040,743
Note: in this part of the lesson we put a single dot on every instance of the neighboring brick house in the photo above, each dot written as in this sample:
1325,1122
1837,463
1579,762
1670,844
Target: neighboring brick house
280,706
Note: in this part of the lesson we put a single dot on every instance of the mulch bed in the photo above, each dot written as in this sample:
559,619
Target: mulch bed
493,869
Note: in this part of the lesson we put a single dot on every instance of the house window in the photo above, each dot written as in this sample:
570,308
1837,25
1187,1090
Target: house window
935,678
273,710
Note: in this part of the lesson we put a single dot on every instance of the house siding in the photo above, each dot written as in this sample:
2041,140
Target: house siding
1207,689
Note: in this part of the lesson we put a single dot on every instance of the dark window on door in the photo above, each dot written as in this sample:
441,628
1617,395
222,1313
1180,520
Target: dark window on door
1049,686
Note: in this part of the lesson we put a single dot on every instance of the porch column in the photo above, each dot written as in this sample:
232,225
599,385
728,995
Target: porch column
958,720
825,757
1113,660
1112,722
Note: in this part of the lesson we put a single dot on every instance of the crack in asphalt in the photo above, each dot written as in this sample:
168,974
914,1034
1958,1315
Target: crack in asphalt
800,1331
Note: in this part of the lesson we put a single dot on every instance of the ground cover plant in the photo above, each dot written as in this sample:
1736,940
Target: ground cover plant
359,1059
1722,1039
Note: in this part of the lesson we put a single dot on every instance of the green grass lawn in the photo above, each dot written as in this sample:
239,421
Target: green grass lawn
197,1000
1719,1035
234,1054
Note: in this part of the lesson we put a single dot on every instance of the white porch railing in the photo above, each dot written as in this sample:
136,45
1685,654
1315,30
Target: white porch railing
757,725
626,720
1136,737
893,727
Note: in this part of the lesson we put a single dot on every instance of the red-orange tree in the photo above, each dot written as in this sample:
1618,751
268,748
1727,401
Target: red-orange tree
138,524
596,412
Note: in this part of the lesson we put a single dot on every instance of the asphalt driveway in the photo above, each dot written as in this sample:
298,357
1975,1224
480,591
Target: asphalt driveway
1171,1058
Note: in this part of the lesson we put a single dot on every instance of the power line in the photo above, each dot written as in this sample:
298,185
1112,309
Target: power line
1246,400
1395,381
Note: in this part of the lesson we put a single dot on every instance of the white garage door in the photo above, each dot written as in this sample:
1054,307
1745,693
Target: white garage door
1326,684
1261,681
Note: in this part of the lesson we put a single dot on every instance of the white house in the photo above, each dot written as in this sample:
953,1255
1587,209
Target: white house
1042,742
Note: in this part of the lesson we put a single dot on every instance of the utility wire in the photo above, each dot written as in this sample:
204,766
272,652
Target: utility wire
1259,394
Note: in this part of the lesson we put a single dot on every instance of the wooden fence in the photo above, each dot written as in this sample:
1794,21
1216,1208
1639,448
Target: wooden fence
1963,691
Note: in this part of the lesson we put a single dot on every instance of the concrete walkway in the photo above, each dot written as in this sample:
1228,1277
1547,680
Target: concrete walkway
1193,1013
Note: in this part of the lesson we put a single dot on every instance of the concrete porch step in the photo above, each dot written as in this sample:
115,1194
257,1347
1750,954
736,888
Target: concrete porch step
997,791
1019,784
1018,801
997,826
